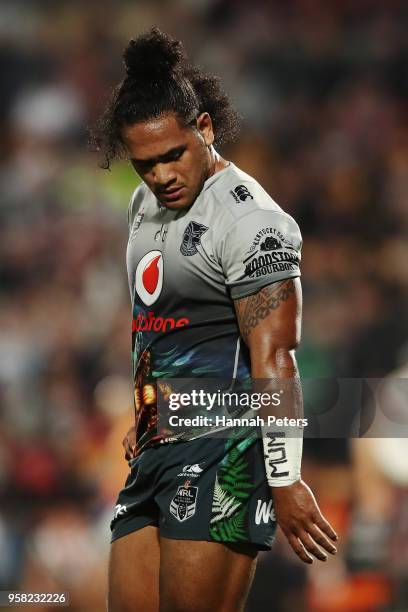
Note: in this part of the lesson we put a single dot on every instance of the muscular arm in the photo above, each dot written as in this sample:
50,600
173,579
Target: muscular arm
284,300
270,324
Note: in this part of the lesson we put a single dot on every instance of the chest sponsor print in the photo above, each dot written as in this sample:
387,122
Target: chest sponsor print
149,277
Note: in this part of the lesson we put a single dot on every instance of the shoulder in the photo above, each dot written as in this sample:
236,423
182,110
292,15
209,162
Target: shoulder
242,201
255,241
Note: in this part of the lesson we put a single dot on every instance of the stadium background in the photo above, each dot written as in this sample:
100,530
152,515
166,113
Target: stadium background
323,89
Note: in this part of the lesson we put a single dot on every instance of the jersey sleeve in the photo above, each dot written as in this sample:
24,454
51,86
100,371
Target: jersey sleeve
260,248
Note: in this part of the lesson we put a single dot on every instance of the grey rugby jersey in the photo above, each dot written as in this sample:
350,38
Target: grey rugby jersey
185,268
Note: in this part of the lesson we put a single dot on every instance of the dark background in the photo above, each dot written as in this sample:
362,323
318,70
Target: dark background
322,86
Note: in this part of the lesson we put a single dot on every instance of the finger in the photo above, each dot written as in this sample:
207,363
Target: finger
321,539
132,443
325,526
128,451
311,546
299,549
131,451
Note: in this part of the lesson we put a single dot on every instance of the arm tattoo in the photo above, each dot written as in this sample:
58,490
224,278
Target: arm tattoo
254,308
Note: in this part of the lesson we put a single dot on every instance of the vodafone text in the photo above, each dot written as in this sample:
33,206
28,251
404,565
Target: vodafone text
158,324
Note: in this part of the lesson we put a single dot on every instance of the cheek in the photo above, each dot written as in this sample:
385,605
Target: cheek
198,168
148,179
189,170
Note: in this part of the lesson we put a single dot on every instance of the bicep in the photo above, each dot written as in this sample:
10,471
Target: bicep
270,319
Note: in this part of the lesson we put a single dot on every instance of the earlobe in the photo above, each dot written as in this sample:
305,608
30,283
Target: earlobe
209,138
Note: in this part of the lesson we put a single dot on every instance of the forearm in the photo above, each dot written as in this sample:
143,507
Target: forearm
277,374
269,322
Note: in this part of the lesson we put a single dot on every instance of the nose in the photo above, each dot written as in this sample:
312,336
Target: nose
164,176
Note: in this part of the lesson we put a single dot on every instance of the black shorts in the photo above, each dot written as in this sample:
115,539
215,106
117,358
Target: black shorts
211,489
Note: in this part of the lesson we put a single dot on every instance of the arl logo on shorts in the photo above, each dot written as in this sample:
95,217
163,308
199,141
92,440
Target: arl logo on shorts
240,194
183,504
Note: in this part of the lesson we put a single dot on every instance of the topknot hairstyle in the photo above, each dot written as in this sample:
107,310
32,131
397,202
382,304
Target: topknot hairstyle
160,79
153,54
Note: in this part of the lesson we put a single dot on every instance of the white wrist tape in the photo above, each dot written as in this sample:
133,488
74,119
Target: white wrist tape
283,455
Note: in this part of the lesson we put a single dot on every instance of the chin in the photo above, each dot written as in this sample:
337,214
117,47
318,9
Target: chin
182,203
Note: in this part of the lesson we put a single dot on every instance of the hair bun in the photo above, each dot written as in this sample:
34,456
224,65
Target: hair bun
153,53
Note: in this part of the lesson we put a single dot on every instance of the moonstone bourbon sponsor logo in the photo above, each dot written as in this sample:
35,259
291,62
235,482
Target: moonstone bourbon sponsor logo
183,504
270,252
191,238
149,277
241,193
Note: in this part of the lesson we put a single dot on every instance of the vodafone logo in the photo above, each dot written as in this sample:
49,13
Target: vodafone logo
158,324
149,277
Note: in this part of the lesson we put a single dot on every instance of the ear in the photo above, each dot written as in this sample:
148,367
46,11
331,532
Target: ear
205,128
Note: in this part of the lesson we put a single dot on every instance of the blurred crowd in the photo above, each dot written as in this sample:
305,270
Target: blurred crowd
322,88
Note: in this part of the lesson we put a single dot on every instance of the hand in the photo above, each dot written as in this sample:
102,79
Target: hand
302,522
129,443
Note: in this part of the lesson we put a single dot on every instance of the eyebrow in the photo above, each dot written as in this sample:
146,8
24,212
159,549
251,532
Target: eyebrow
160,158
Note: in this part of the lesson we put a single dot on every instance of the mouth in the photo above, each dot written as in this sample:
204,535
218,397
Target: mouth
171,195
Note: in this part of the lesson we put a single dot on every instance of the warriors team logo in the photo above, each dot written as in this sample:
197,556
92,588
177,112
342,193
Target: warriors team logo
183,504
149,277
191,238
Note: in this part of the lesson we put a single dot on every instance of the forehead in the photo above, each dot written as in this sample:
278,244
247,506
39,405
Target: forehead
155,137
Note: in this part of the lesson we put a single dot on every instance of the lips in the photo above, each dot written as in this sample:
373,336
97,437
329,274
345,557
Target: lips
172,194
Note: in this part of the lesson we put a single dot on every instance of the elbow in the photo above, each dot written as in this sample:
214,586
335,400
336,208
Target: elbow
283,357
275,362
283,349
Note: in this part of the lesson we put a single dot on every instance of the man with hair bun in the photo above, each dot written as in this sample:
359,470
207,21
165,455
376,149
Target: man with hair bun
213,265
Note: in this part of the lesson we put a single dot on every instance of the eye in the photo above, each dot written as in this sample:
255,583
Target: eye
174,156
178,154
141,167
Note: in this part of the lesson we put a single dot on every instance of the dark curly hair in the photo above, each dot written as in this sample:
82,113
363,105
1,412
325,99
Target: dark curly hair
160,79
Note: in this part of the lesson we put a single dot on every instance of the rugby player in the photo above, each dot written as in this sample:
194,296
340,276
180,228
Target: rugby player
213,266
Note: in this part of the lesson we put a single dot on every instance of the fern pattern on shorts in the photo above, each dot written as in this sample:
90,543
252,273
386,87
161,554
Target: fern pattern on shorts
233,486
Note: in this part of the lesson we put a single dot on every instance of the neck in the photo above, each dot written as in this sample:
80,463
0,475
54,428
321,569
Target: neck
217,162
